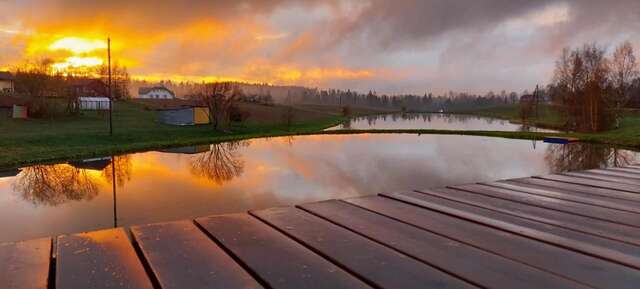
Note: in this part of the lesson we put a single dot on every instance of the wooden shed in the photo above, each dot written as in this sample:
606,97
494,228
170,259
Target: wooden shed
184,116
201,115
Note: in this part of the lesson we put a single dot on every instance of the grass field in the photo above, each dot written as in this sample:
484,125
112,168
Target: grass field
135,129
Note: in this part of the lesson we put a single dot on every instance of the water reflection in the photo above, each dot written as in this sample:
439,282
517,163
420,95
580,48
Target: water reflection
431,121
221,163
582,156
234,177
52,185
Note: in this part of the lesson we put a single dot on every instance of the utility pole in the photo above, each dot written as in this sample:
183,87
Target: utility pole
109,89
113,183
537,99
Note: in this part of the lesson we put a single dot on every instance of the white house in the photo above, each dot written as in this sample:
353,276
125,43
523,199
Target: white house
156,92
6,82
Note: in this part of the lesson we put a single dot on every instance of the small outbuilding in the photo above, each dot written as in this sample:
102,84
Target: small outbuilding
6,82
188,115
14,107
94,103
20,111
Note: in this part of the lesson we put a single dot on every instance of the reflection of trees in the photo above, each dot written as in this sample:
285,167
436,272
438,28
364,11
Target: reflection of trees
582,156
221,164
122,166
53,185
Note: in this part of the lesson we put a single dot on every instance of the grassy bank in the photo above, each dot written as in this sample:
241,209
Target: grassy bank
627,135
136,129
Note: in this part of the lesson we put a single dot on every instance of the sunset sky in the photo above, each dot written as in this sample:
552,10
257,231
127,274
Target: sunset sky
402,46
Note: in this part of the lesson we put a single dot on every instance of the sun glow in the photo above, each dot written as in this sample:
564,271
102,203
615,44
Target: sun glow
78,45
77,62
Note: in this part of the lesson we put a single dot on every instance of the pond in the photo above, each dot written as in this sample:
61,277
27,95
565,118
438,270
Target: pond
432,121
47,200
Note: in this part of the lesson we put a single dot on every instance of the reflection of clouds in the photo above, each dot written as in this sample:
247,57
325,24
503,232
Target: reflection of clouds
284,171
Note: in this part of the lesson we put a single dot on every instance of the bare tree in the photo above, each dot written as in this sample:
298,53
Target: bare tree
120,79
624,70
219,98
581,86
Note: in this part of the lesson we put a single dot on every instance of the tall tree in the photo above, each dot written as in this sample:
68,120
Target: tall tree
624,71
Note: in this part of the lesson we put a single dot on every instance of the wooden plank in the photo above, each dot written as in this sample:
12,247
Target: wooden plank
379,265
596,227
279,261
25,265
614,251
610,172
635,166
485,269
567,196
592,183
585,189
100,259
624,170
182,256
585,210
601,177
569,264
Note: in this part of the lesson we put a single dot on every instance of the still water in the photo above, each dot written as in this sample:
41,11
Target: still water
430,121
47,200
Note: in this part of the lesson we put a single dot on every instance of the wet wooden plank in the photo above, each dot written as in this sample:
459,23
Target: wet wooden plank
477,266
182,256
567,196
592,183
570,264
585,210
624,170
602,192
278,260
611,250
601,177
614,173
596,227
371,261
25,265
100,259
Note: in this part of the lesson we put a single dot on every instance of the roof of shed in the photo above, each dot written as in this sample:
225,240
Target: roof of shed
6,75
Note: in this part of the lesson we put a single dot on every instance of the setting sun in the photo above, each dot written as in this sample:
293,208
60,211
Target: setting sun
78,45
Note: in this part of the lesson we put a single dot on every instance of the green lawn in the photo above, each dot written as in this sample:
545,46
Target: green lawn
135,129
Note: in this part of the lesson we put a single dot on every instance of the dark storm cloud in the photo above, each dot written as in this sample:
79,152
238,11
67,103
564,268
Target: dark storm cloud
399,46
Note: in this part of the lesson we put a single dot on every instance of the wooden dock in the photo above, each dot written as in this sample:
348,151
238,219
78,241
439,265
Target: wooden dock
572,230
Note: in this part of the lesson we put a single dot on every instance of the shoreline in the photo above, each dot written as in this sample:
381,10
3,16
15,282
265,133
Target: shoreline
145,146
